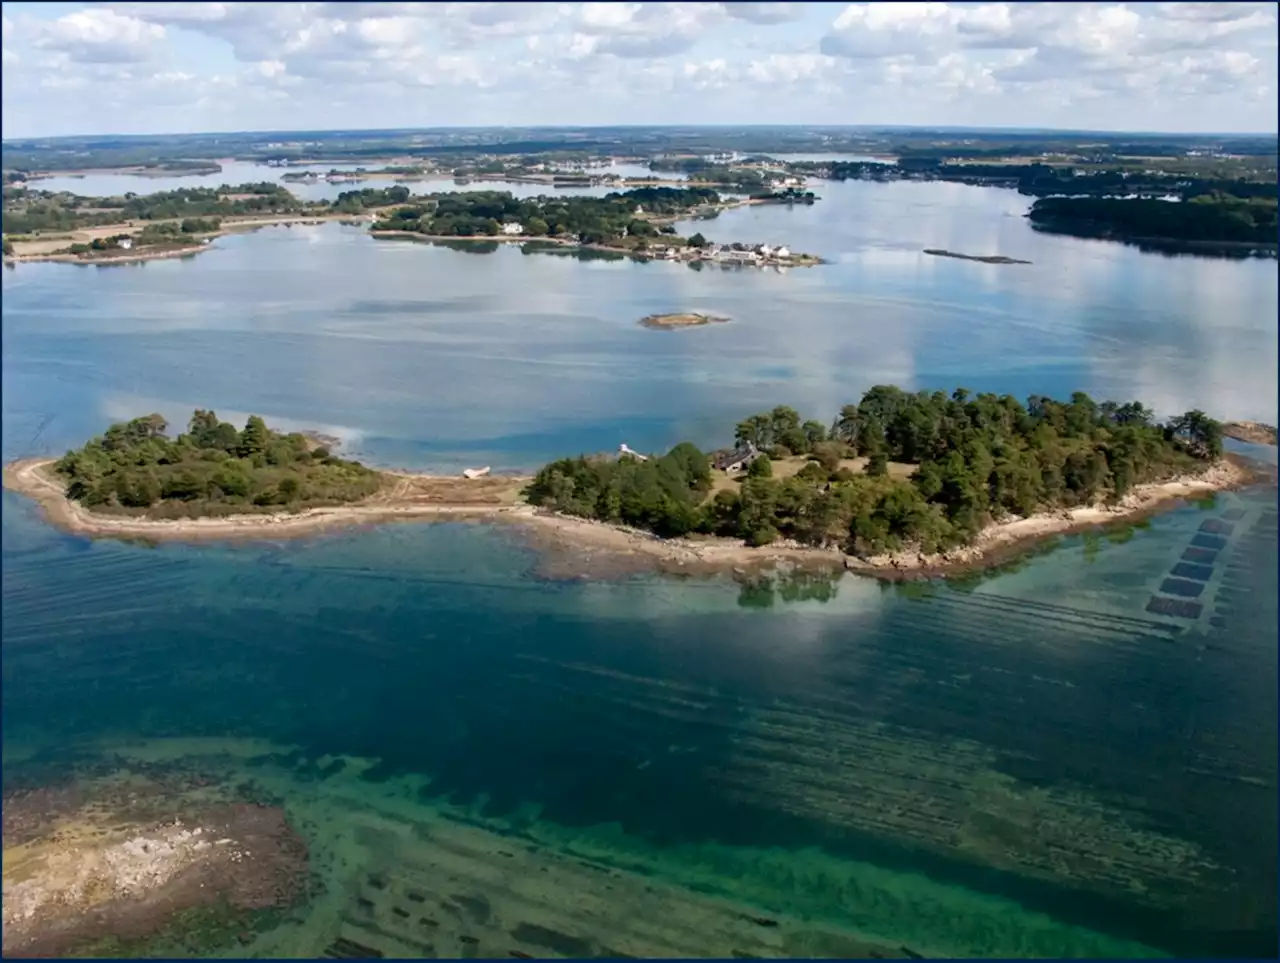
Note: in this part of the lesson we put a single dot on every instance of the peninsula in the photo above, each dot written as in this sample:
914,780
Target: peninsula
49,226
899,486
638,223
1250,432
1212,223
46,226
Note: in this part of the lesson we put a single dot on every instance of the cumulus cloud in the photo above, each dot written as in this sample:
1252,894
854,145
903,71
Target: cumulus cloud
100,35
987,63
1072,53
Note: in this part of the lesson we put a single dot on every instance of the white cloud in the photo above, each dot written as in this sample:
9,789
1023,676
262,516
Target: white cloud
99,35
286,64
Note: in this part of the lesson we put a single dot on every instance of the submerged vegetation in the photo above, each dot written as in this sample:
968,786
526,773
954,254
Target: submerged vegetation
973,460
211,469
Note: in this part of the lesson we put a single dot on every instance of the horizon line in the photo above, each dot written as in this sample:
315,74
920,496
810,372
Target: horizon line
689,127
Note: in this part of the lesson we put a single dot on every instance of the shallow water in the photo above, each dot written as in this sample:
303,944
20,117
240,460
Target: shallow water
1033,764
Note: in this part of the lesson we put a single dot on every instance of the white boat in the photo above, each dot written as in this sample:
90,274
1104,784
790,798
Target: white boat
475,472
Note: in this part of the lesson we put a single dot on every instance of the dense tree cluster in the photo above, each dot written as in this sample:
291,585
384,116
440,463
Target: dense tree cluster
662,495
369,198
1043,180
976,460
211,469
27,211
589,219
1208,218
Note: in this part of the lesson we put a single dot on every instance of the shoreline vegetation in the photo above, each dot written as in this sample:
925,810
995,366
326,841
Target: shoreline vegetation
840,505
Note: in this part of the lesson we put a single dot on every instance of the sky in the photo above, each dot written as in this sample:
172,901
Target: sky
186,67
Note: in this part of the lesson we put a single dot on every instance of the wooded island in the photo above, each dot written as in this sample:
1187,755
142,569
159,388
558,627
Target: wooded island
962,463
924,472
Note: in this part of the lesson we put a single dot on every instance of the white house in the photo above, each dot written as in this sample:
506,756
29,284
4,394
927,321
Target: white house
126,243
782,251
512,229
624,450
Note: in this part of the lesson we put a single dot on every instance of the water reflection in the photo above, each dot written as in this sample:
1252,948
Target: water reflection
550,361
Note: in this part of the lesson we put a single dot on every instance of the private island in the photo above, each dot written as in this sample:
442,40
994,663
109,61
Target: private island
900,485
639,223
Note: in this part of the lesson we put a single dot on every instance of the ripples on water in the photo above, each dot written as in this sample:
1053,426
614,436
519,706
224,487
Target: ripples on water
1030,765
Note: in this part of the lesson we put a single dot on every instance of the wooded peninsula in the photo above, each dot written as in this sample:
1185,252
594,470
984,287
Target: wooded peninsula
1217,220
638,222
897,473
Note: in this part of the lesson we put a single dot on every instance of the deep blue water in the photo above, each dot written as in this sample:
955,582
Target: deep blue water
1039,738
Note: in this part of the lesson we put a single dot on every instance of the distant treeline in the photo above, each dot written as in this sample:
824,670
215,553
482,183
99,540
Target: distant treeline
976,459
27,211
1043,180
1205,218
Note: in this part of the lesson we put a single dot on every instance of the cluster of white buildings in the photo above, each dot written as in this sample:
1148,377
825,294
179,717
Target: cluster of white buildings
759,254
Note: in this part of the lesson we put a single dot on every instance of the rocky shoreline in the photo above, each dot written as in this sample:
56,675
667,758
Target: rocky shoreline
982,259
666,322
103,865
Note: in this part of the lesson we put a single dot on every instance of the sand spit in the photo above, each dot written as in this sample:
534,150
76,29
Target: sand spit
406,496
580,548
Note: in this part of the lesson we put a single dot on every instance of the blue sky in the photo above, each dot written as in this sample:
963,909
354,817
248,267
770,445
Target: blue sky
157,67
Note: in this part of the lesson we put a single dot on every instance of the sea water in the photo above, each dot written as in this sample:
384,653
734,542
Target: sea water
1028,764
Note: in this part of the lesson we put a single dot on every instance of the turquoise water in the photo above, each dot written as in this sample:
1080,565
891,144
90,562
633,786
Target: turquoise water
1029,765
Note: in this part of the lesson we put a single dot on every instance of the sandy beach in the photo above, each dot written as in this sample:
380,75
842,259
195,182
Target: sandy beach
579,548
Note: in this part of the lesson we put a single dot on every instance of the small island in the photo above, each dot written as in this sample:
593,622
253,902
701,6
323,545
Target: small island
900,485
668,322
984,259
